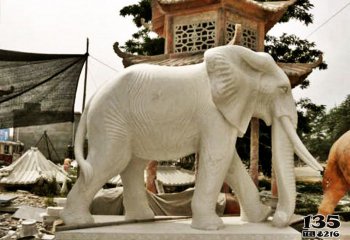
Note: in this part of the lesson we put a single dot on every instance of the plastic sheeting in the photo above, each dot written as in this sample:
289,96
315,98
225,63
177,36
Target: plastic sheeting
110,202
37,89
31,167
167,175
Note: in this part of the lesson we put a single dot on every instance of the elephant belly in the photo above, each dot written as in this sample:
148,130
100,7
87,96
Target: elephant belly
165,142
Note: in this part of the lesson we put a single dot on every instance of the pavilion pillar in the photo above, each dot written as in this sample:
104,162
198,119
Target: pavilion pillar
254,123
151,176
254,150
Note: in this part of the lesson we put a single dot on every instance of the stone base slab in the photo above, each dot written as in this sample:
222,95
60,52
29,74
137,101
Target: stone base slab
234,229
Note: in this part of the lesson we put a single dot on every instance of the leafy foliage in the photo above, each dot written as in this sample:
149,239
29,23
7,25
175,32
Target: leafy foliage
309,116
319,130
337,121
290,48
299,11
142,43
138,11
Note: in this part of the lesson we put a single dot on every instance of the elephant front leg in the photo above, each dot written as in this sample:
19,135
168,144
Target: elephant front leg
214,158
252,210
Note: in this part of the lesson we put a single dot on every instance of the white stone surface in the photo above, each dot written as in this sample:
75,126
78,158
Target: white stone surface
234,229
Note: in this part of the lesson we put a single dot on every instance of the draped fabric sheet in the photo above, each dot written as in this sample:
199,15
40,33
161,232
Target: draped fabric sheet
37,89
110,202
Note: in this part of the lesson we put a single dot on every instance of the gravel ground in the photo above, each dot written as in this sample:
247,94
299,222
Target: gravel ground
7,223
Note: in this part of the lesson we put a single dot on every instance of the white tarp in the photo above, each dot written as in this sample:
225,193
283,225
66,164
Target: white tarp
110,202
31,167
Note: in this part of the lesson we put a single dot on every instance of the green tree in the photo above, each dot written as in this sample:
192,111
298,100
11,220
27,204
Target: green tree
326,128
298,11
310,118
338,119
290,48
142,43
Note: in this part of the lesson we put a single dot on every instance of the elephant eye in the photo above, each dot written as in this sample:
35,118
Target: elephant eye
284,89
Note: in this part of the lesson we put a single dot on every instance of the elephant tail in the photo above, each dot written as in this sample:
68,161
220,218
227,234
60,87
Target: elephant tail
86,170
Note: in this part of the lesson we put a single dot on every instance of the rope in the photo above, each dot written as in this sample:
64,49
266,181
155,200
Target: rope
105,64
329,19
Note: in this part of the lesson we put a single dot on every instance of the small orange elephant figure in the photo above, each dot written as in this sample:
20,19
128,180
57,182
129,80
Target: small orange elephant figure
336,179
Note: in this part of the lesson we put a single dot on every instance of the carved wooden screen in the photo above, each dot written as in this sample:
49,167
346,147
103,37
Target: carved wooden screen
196,32
194,36
249,30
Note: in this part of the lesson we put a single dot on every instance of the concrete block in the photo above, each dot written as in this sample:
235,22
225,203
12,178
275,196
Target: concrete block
61,202
47,219
54,211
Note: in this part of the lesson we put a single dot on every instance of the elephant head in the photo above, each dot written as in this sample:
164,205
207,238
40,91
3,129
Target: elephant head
246,84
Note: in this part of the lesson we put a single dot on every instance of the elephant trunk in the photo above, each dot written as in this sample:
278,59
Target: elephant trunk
285,142
298,146
283,163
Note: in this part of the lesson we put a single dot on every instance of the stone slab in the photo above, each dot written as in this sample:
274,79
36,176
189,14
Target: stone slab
234,229
28,212
6,199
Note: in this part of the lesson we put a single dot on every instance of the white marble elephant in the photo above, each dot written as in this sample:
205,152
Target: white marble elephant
163,113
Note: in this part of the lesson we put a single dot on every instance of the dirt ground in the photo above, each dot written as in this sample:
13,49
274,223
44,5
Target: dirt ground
23,198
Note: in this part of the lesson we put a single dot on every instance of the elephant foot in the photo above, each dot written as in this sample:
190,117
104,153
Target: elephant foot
71,217
257,216
280,219
207,222
146,213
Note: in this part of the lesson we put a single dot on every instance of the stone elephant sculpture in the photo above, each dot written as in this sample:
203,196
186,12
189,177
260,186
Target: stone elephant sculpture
336,178
163,113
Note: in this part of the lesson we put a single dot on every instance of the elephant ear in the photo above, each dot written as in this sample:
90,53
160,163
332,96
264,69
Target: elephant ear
234,74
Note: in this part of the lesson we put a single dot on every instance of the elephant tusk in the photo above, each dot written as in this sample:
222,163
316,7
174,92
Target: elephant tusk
299,147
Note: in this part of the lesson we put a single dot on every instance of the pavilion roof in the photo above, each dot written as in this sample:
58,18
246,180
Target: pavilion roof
269,12
296,72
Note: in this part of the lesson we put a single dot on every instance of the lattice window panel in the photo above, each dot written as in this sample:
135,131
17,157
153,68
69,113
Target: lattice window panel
250,37
194,37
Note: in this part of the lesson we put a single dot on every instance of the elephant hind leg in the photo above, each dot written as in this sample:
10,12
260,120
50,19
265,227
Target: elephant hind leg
105,166
330,200
335,187
134,195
